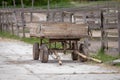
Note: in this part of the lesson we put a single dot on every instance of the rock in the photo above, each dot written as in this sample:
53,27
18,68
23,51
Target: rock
116,62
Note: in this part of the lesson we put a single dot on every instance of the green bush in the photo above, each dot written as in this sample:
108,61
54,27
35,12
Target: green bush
36,2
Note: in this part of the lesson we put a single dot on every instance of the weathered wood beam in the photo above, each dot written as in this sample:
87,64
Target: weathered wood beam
86,57
119,31
102,31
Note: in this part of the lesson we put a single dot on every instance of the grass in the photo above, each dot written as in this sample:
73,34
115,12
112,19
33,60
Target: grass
28,40
52,5
8,35
117,64
104,57
59,5
63,4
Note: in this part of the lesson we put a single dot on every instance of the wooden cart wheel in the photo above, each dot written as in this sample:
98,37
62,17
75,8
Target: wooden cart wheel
83,50
35,51
73,54
44,54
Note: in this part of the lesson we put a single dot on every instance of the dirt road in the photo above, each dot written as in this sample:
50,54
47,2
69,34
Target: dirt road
16,64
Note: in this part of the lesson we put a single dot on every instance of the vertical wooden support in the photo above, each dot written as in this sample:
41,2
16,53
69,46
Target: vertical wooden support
17,30
16,22
62,16
31,14
48,16
3,18
48,8
119,31
71,14
12,28
84,19
7,21
23,23
53,16
74,17
0,23
23,31
102,32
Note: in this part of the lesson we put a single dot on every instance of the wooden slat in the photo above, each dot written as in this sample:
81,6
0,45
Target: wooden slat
62,30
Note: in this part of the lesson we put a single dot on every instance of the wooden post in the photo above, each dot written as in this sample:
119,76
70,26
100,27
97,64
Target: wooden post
16,22
22,16
53,16
31,14
74,17
23,23
31,17
48,8
12,28
6,22
119,31
102,32
3,22
17,30
62,16
71,14
0,23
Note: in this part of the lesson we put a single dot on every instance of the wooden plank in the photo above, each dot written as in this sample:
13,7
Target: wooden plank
61,30
12,29
86,57
102,31
119,31
23,24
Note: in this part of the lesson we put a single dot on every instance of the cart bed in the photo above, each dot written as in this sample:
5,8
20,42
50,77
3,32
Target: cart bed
60,30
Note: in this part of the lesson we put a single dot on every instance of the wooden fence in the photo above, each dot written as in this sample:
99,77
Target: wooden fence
100,17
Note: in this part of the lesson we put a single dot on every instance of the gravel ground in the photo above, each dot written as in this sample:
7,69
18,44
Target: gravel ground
16,64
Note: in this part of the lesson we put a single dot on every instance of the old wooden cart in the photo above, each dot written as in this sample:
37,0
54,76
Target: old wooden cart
60,37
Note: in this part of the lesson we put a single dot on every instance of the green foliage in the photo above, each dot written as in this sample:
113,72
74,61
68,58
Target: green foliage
117,64
36,2
53,3
7,35
104,57
27,40
30,40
